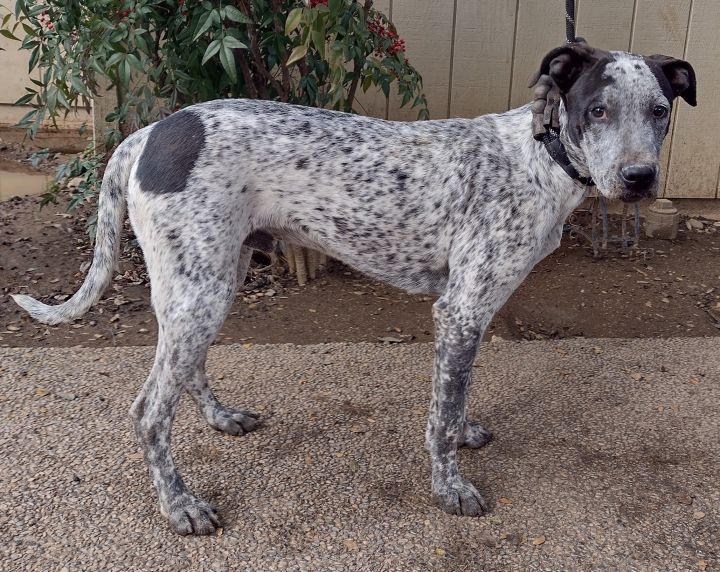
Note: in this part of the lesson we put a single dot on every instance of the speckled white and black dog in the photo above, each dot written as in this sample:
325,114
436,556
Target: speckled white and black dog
461,207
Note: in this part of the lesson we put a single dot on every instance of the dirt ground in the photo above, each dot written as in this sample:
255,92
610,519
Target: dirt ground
662,289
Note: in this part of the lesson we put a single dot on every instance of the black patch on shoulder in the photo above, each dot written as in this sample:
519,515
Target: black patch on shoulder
170,153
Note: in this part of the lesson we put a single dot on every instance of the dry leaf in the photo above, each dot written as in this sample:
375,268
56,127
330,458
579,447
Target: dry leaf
247,346
40,392
350,544
538,540
358,429
636,376
694,380
698,515
219,532
702,564
135,456
504,500
440,551
494,520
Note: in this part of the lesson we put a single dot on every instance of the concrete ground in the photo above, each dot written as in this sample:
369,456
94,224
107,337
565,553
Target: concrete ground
605,458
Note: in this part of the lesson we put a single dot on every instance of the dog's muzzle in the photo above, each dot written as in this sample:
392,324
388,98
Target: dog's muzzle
640,182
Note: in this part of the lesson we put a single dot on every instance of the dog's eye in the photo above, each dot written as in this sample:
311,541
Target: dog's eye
660,111
598,112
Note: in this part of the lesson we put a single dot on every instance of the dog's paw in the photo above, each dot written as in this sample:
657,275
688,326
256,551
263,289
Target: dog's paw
234,422
475,436
460,497
190,515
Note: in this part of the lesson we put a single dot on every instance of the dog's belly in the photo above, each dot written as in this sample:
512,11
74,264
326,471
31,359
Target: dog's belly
381,261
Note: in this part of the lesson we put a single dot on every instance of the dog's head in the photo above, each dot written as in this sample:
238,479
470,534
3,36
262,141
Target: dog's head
617,113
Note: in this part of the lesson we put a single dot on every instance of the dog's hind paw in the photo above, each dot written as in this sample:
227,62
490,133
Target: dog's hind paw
475,436
190,515
233,421
460,497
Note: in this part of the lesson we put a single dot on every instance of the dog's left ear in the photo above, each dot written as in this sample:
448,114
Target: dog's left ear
565,64
679,74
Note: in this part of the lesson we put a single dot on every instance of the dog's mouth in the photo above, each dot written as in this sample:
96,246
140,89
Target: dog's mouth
630,196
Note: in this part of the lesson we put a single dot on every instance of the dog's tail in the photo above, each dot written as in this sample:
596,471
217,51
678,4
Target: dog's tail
111,213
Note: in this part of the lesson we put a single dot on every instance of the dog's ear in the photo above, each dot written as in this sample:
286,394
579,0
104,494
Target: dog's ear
679,74
565,64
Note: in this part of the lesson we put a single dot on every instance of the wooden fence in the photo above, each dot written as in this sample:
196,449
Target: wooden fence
476,57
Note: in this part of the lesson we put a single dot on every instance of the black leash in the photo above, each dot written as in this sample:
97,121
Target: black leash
570,21
551,138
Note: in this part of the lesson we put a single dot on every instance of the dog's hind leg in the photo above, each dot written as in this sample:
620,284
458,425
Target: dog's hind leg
193,281
219,416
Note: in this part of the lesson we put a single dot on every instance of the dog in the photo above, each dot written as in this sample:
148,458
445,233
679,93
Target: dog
459,207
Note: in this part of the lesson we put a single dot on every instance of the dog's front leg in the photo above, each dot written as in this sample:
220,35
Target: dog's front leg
457,336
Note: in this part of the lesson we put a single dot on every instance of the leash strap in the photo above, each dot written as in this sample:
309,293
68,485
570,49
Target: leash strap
570,21
557,151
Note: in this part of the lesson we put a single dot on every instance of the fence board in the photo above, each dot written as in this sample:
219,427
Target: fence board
694,159
606,24
482,58
427,28
540,28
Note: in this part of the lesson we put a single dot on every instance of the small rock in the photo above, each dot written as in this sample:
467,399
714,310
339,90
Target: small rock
65,395
695,224
391,340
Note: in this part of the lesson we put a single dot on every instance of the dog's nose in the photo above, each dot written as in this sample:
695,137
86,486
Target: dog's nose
638,177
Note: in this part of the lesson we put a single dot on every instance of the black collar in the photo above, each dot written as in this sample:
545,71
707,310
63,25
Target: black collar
556,150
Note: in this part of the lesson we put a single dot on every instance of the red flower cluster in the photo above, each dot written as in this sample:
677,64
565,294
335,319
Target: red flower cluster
314,3
119,12
377,27
45,22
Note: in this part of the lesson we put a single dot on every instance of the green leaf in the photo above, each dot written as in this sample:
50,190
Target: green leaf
297,54
366,83
233,43
8,34
232,13
318,39
227,59
293,20
211,50
34,55
26,119
29,30
27,98
204,25
78,86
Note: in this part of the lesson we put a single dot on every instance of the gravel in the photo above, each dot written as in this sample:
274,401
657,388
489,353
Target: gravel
606,448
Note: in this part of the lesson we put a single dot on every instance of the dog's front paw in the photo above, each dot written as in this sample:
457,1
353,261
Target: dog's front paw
475,436
460,497
234,422
189,515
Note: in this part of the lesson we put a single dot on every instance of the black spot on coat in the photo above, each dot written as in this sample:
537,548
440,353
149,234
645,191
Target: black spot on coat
170,153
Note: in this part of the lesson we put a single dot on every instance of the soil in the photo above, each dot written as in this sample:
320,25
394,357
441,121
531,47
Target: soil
664,289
